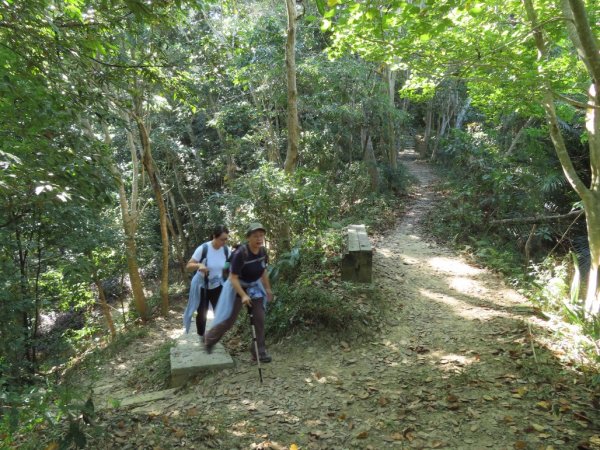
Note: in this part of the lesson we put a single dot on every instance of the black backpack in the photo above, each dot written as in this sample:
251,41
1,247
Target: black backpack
245,252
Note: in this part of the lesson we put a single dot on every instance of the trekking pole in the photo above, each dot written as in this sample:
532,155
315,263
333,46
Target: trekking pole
204,300
251,316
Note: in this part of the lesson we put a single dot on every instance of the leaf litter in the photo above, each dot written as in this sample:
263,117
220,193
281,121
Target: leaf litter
451,367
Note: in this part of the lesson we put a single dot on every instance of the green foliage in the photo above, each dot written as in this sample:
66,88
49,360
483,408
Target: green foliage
298,202
502,258
487,184
61,413
309,307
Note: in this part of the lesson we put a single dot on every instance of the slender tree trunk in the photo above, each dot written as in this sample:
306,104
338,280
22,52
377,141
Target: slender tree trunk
390,76
22,313
104,305
178,237
428,127
195,146
130,224
129,215
293,124
585,42
178,221
444,121
150,166
460,118
518,137
38,301
369,158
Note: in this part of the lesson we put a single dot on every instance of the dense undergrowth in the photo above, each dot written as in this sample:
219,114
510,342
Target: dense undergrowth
483,185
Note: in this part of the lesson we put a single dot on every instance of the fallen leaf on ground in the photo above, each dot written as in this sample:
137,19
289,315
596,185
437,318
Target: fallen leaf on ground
192,412
397,436
179,433
452,398
362,435
538,427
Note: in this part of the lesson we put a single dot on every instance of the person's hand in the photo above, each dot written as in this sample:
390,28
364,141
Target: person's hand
202,268
269,295
246,300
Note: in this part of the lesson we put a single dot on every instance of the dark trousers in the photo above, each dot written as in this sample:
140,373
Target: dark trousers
215,334
212,296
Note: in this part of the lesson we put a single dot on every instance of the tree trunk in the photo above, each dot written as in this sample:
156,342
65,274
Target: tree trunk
130,224
178,221
369,158
444,122
178,237
22,351
460,118
390,76
428,127
293,124
150,166
38,302
129,215
517,138
584,41
104,305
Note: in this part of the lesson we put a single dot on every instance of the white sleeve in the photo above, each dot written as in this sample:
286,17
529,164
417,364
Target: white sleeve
197,253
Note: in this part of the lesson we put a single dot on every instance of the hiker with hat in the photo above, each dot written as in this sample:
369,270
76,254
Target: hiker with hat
248,285
210,261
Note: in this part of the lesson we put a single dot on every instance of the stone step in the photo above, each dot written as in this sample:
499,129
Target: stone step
188,358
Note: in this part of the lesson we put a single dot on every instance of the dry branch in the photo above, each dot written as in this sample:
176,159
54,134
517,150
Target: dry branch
537,219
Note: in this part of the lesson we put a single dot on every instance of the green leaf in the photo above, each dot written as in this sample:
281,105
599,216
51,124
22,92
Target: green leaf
320,6
329,13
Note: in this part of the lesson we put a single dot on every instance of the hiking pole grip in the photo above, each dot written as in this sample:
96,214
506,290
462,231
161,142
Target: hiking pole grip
251,316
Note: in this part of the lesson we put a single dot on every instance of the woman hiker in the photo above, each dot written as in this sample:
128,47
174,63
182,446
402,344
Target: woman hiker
209,260
248,284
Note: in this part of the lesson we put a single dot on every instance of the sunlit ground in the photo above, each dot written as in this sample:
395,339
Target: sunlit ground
176,333
453,266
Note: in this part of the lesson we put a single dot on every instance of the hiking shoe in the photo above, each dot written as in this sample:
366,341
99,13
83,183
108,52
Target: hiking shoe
208,348
264,358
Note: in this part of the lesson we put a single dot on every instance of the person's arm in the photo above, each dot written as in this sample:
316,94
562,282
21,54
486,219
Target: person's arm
267,285
194,265
235,282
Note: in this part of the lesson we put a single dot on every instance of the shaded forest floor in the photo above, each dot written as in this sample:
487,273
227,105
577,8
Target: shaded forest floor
459,363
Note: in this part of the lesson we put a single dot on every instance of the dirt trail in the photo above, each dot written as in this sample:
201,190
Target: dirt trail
455,366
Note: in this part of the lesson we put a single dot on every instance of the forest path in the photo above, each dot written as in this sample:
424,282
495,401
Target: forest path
455,366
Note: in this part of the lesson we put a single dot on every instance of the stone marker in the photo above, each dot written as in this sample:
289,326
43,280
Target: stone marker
188,357
357,263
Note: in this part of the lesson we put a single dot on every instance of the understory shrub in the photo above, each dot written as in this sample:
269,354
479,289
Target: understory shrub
45,416
314,307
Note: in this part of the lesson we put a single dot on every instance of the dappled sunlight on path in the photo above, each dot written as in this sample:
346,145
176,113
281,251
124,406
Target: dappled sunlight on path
454,364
